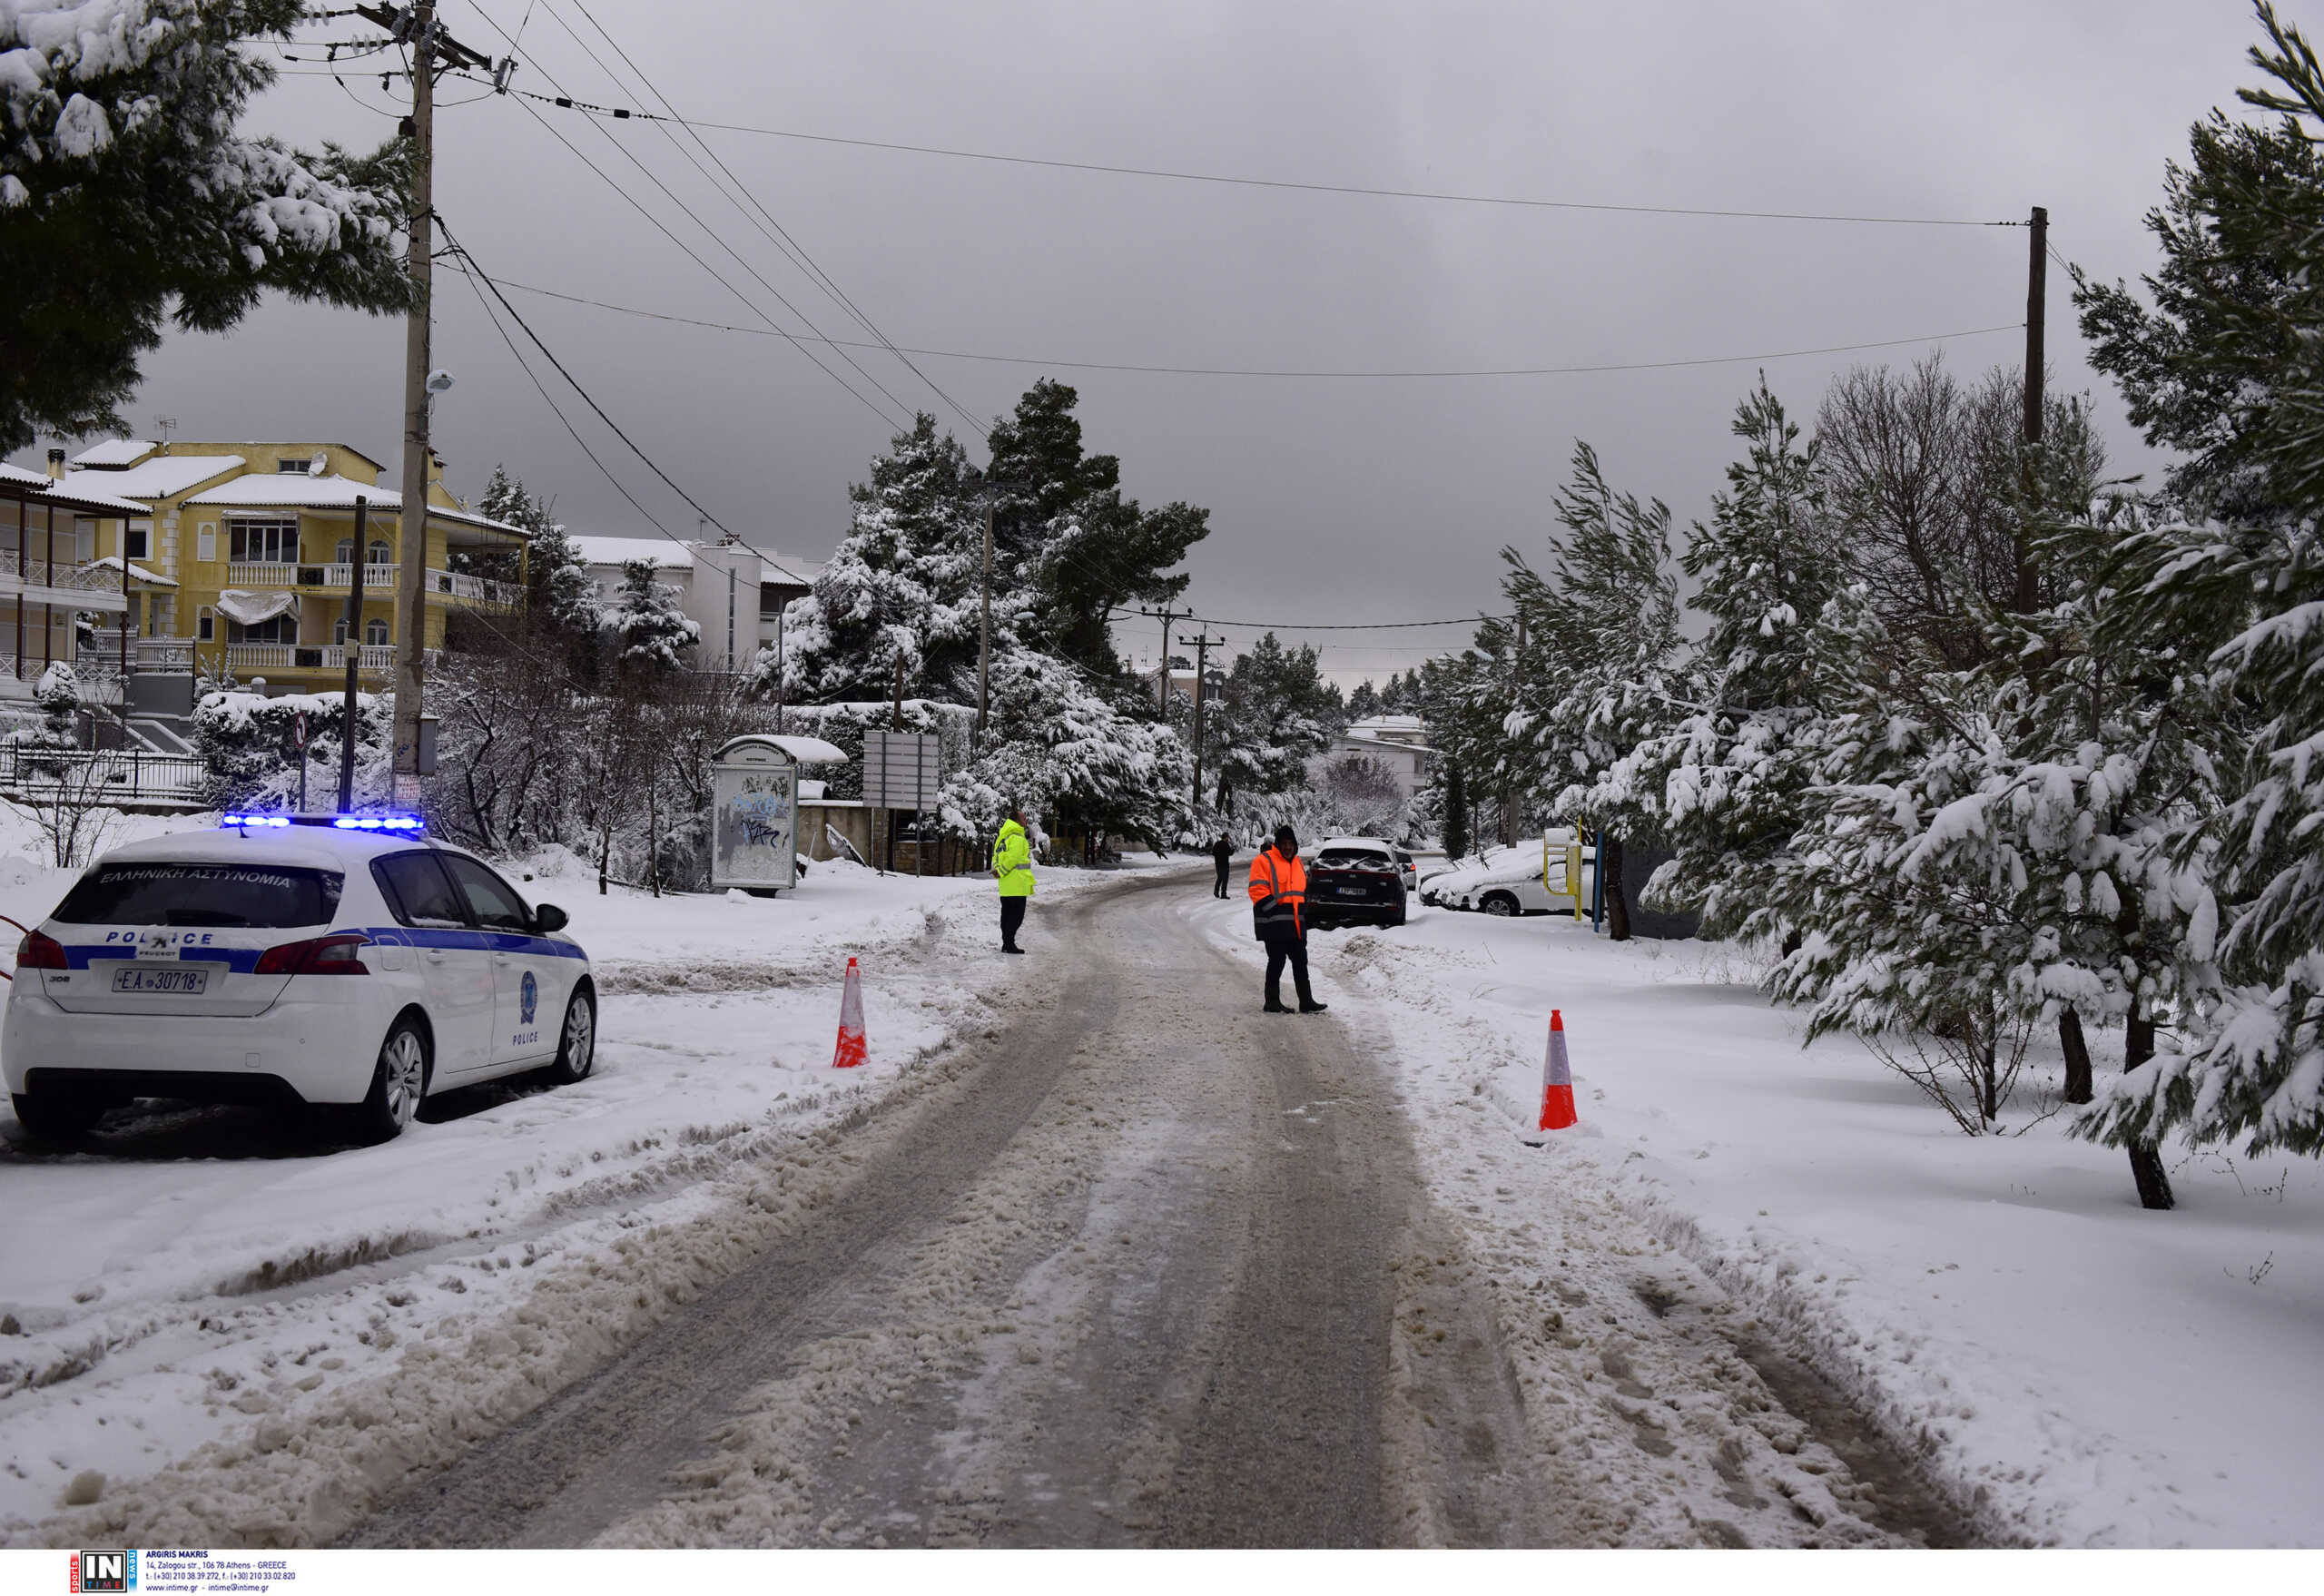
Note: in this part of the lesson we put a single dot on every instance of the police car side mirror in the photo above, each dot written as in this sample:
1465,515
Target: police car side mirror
549,918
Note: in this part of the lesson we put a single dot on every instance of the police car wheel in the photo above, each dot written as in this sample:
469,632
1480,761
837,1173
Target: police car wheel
57,1116
399,1080
576,1044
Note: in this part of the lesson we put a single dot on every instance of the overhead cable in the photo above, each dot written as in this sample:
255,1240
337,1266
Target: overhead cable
626,113
1278,372
781,236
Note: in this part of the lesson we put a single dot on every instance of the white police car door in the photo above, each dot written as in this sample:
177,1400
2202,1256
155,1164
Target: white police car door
529,976
453,957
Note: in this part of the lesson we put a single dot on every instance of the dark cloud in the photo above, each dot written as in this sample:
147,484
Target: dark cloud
1353,499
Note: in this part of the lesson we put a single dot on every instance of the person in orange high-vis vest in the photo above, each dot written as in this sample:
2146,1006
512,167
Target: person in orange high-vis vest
1279,917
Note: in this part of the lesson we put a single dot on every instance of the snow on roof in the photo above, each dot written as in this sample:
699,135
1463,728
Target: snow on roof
669,555
112,562
67,494
807,750
666,555
167,475
268,490
115,453
1385,724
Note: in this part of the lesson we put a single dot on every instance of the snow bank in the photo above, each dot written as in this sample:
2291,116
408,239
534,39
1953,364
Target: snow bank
2078,1370
210,1294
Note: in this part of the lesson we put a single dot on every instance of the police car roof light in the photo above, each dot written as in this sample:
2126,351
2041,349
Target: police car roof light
345,823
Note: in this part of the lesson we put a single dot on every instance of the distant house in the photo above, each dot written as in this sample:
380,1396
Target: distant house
735,592
1399,742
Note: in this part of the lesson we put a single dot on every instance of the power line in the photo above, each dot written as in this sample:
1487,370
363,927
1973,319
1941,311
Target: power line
476,275
1269,372
783,245
575,384
526,366
886,420
781,235
624,114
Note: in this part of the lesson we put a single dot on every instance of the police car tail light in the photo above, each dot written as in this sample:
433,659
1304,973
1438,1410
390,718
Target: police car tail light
336,955
38,951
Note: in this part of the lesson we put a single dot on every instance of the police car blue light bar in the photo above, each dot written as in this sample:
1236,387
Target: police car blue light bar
345,823
379,823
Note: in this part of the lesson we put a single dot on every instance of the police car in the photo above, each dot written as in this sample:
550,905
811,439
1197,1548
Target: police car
345,961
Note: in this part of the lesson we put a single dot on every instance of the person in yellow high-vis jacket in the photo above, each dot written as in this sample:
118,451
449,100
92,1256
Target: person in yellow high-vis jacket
1012,864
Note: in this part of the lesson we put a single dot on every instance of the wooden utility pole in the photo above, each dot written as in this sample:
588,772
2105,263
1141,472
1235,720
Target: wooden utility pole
1202,643
984,629
416,25
411,541
1166,615
1508,787
354,655
2037,272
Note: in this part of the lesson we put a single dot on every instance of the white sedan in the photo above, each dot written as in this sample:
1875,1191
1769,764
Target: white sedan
1509,880
350,962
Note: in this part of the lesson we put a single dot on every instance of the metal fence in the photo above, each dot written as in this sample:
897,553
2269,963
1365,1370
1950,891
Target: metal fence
103,777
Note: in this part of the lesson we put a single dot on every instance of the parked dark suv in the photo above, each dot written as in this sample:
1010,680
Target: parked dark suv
1357,881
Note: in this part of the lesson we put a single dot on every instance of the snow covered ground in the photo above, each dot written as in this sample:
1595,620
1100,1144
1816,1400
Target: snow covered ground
206,1281
2073,1368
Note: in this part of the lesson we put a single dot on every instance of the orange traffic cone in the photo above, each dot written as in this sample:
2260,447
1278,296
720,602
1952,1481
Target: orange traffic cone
1557,1080
851,1022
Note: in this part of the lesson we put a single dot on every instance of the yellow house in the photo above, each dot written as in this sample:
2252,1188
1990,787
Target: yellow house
243,562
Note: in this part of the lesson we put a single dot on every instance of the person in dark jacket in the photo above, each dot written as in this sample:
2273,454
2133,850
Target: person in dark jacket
1223,853
1279,916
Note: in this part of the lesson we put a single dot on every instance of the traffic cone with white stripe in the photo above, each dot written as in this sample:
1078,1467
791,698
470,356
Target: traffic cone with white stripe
1557,1080
851,1022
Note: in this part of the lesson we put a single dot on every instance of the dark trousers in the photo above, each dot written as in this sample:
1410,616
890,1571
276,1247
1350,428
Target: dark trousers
1218,889
1012,915
1295,949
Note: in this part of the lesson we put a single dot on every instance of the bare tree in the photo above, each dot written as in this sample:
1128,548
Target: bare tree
1923,478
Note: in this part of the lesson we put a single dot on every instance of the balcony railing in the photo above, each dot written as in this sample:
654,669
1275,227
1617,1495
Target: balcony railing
79,578
163,653
257,573
378,577
261,655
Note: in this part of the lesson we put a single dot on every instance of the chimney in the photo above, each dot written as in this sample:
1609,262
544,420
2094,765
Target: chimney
56,465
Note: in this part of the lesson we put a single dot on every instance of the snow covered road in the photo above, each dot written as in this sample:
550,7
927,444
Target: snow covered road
1149,1269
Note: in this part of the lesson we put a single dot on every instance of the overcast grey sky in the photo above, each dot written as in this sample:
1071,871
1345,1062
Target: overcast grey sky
1330,500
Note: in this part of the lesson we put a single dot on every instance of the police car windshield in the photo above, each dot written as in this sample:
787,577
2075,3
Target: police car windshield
163,893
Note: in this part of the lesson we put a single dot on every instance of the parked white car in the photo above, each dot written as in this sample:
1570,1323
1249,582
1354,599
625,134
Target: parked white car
349,961
1508,881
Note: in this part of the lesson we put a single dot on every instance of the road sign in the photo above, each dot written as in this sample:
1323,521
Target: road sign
902,770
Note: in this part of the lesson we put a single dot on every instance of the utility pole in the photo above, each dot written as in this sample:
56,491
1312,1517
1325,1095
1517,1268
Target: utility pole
984,627
347,722
1202,643
1508,787
2037,272
1166,615
415,27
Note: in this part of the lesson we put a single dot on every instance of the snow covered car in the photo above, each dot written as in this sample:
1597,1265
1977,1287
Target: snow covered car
346,962
1356,880
1508,881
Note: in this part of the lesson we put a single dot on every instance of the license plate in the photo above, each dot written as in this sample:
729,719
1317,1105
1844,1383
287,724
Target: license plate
136,977
1349,891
